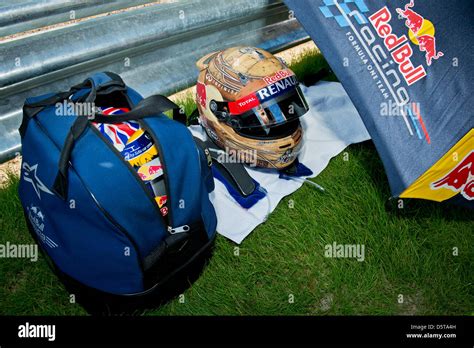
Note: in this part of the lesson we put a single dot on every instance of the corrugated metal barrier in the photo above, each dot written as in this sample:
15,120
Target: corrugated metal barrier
154,48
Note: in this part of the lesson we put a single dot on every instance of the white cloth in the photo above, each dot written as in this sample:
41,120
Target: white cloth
331,124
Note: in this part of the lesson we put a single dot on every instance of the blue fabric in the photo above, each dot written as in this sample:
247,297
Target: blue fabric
116,188
38,98
301,170
89,248
373,80
101,234
182,164
99,79
134,96
246,202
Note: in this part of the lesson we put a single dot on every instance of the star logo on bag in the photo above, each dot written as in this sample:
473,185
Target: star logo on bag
29,175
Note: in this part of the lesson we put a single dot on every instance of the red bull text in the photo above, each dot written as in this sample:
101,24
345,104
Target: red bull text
398,47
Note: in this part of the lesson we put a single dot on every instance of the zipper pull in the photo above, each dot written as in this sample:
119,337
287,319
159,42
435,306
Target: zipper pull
180,229
208,157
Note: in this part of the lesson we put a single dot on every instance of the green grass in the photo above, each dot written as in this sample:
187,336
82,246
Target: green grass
407,252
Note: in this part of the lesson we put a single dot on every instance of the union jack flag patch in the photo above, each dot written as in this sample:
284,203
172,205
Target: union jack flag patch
119,133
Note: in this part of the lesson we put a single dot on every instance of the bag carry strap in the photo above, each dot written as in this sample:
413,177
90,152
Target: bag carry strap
30,110
116,81
150,106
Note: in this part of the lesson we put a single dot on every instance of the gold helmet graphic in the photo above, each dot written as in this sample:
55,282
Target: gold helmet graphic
250,101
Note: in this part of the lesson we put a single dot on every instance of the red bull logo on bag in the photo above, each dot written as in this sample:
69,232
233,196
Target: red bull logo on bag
428,44
451,175
161,200
420,32
142,153
164,211
414,20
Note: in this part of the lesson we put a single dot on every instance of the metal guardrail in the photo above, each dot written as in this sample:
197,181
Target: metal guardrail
22,15
154,49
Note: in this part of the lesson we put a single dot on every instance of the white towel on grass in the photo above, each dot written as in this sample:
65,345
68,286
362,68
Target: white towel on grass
331,124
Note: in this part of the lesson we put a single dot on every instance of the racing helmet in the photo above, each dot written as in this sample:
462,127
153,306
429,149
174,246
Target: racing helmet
249,103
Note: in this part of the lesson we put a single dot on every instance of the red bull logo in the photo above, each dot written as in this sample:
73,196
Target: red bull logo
164,211
414,20
398,47
279,75
421,32
151,170
161,200
460,179
428,45
201,94
154,169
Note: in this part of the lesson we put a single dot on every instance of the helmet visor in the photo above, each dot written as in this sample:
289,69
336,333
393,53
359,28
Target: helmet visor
261,112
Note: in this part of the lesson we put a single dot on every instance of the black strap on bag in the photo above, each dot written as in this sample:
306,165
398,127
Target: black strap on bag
150,106
30,110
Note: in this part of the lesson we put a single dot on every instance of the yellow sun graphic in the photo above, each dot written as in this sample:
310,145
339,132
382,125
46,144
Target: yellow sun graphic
427,28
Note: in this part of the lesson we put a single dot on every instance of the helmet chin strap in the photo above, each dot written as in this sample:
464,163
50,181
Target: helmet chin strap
286,176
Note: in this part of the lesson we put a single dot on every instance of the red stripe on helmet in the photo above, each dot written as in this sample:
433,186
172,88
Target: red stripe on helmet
243,104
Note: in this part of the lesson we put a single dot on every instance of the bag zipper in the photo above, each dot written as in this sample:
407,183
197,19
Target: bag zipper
171,229
131,169
161,154
167,221
180,229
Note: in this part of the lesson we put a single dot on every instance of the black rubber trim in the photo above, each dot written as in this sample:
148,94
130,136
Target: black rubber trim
170,243
98,302
234,173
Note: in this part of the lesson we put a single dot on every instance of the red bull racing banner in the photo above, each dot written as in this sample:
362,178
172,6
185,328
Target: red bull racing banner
407,66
